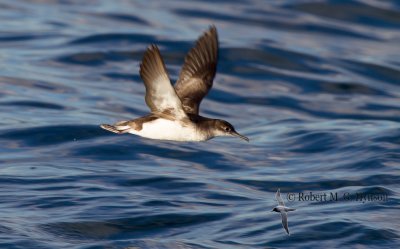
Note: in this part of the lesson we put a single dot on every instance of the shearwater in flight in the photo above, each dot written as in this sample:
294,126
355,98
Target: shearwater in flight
281,208
175,110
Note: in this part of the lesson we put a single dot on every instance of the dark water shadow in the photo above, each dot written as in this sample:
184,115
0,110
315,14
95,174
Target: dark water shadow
51,135
288,187
134,227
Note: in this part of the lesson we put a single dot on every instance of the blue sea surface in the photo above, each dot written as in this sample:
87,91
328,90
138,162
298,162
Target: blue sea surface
315,85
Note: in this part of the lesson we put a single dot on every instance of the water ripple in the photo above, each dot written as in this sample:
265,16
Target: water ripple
313,84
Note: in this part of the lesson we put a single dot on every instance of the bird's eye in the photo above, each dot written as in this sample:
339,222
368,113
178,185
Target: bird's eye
227,129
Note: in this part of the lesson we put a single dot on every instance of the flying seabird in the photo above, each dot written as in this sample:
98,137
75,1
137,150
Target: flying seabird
281,208
175,110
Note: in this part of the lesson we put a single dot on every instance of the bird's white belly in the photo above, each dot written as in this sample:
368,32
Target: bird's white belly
169,130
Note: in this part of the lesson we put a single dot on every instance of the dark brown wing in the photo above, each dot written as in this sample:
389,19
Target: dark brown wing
197,75
160,95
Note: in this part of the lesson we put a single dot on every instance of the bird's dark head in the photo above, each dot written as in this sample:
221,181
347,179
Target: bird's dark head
224,128
275,210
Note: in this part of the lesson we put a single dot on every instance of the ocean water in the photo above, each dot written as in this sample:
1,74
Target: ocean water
315,85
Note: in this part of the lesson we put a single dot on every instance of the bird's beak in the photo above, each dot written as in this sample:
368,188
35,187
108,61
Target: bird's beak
235,134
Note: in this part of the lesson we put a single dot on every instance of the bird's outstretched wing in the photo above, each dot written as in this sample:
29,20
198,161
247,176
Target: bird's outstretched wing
285,221
279,198
198,71
160,95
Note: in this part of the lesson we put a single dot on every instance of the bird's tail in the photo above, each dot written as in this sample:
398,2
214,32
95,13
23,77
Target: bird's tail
118,128
290,209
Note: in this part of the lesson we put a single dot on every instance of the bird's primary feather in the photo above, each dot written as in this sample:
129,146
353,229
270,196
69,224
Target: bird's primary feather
198,71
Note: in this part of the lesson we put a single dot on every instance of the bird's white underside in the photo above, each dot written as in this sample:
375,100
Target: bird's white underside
165,97
169,130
